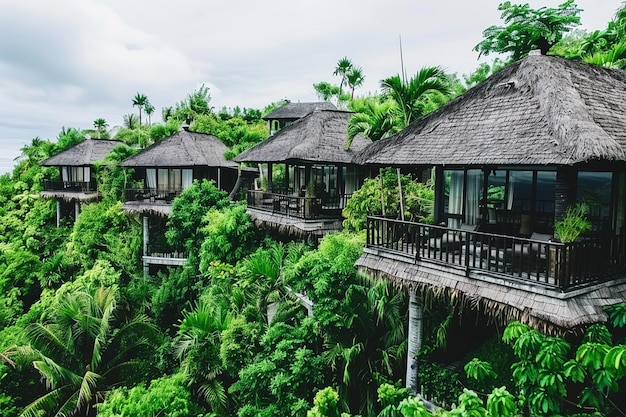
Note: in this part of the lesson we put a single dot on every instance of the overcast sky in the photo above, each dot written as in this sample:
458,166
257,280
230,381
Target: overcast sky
69,62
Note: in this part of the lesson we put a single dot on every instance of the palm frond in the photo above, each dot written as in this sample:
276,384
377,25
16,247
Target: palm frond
49,338
214,394
47,404
87,389
54,374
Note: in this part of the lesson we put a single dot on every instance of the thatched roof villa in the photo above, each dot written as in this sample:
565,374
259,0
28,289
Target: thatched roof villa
170,165
77,181
164,170
510,156
76,164
310,153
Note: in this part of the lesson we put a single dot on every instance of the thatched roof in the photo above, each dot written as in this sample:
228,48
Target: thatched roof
293,111
161,209
319,137
544,309
83,154
183,149
539,110
71,195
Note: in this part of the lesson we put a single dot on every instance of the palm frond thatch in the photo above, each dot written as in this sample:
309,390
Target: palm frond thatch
85,153
541,110
319,137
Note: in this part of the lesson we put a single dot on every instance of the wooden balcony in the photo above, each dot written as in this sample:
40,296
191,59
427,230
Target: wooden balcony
163,255
151,195
70,186
561,267
306,208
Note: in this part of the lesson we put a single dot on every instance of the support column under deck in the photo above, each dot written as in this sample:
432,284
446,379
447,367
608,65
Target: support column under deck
58,212
414,338
146,241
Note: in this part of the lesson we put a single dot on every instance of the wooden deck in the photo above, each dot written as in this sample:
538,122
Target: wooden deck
306,208
562,266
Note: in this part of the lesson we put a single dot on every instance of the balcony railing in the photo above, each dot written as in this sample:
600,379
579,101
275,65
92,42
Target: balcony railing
300,207
71,186
161,251
150,195
562,266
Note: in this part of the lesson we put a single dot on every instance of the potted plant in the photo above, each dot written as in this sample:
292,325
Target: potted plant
573,223
567,229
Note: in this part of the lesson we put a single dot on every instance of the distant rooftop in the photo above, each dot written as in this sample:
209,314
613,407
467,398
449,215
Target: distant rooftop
292,111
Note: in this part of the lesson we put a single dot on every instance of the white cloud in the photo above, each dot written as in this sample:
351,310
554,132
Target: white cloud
69,62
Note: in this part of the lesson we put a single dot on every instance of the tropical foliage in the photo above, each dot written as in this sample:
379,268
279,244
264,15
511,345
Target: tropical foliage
527,29
82,349
389,194
251,326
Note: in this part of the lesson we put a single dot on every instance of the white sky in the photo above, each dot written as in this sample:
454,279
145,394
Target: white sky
69,62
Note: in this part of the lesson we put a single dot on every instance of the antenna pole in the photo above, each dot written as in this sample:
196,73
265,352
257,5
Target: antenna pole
402,70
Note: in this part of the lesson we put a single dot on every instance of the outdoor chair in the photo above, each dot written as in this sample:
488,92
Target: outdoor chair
453,239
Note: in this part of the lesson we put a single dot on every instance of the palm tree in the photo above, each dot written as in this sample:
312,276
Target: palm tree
373,318
100,124
343,67
198,348
615,57
373,119
355,78
167,113
409,95
149,109
83,351
140,100
130,121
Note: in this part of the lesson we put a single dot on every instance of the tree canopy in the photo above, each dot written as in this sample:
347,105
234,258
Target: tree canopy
526,29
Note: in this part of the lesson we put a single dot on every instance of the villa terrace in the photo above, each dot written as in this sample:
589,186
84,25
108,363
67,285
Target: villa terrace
547,265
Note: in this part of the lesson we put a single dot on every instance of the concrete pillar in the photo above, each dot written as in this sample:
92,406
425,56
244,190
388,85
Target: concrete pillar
146,235
76,209
414,338
146,241
58,212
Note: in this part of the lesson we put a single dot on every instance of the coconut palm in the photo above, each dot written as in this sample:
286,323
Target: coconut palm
373,322
343,67
198,348
355,78
373,119
82,351
149,109
140,101
409,94
130,121
100,124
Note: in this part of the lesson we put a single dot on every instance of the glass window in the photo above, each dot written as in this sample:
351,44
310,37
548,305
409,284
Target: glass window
544,200
453,200
520,191
496,188
474,196
594,188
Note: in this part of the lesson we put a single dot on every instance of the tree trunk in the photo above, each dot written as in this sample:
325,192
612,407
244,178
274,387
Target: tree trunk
233,192
415,339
